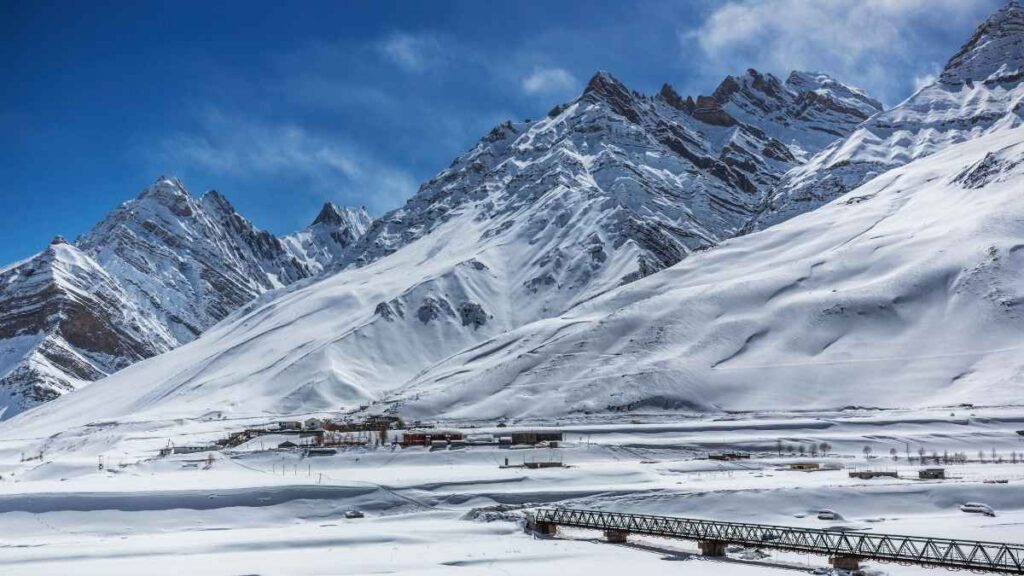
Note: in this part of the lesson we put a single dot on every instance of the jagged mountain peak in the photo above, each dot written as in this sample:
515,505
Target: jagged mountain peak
995,53
751,79
602,82
165,187
331,214
323,243
607,88
216,200
824,85
167,192
979,92
807,112
669,95
194,260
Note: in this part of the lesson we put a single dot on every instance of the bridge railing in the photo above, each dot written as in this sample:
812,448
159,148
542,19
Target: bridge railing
944,552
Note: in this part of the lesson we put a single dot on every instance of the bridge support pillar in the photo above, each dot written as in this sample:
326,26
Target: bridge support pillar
712,548
543,528
840,562
616,536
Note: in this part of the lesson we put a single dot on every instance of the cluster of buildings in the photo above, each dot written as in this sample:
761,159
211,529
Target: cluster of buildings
456,438
320,435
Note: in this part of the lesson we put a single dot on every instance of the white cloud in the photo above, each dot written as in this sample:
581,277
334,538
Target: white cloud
328,167
414,52
548,80
871,42
924,80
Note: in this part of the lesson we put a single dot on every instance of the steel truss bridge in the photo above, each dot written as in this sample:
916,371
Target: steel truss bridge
844,548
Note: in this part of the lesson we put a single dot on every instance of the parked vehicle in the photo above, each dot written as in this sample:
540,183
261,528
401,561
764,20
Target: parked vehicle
829,515
354,514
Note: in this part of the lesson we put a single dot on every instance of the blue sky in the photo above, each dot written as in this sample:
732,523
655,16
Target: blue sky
281,106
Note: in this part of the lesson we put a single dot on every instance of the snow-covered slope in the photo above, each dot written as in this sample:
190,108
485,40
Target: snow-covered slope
981,90
904,292
535,219
65,321
323,243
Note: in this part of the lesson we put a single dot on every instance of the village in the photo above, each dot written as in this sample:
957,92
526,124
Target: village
325,436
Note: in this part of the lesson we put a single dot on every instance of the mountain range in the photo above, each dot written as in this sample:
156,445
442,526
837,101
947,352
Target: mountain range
978,92
774,244
154,274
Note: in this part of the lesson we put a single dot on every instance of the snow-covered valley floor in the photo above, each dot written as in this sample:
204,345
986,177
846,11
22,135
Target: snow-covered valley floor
253,511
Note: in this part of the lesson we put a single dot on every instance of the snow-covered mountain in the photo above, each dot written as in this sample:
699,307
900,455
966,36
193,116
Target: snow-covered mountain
807,112
188,261
981,90
538,217
661,175
154,274
65,321
323,243
878,299
520,281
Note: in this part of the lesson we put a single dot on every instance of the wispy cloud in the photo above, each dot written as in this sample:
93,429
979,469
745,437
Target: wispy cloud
413,52
871,42
246,151
548,80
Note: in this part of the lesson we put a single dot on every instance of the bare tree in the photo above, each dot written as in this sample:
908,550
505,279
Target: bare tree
867,452
894,454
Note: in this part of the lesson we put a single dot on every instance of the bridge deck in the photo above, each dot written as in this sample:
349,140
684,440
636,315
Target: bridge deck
938,552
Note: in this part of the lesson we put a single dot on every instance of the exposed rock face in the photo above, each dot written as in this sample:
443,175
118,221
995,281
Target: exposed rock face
434,309
673,99
994,54
980,91
709,111
154,274
807,112
64,321
472,314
